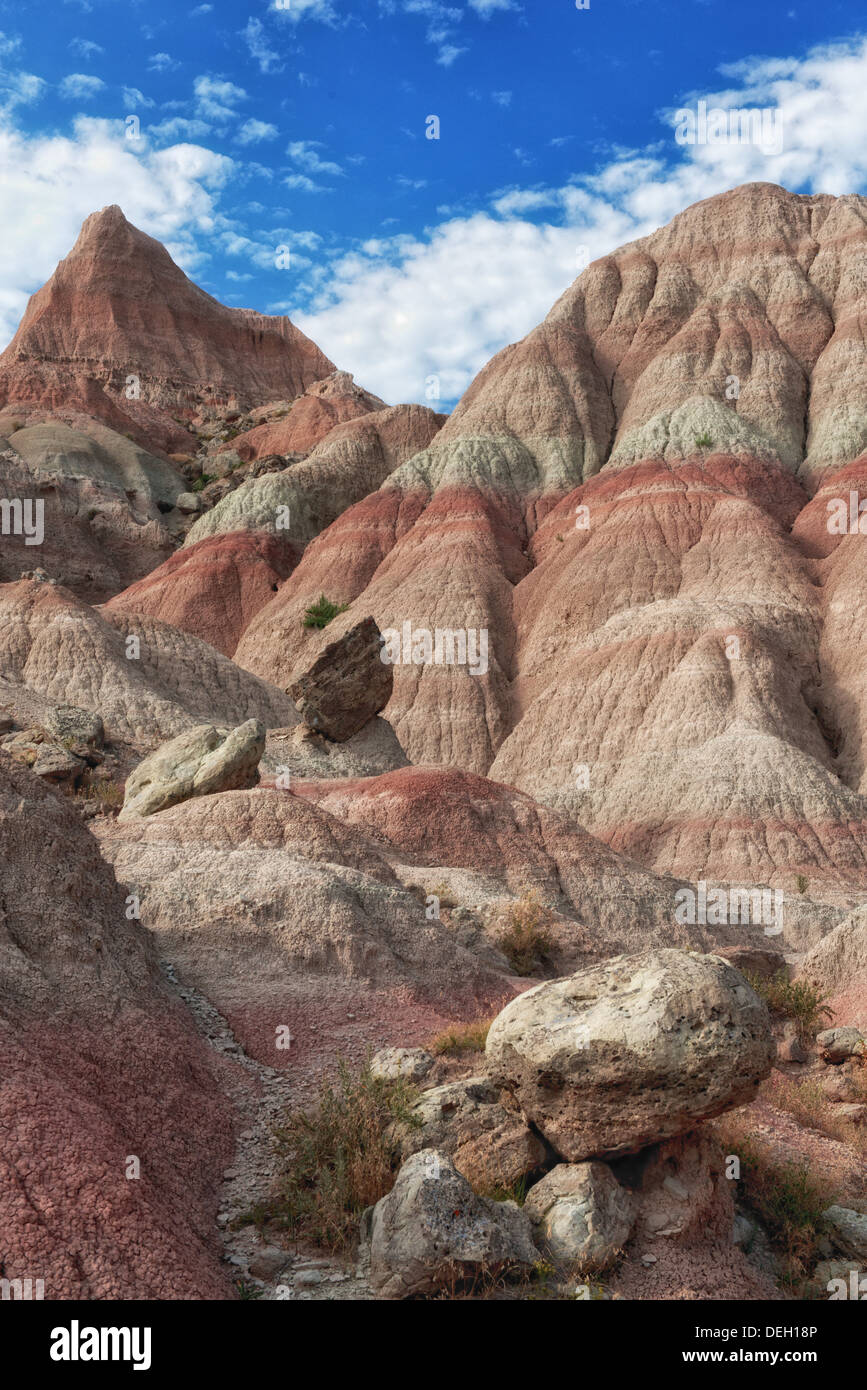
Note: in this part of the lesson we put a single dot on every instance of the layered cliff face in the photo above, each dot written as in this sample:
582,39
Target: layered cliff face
611,503
119,331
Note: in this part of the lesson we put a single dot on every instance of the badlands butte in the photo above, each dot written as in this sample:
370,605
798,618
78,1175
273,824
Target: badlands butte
515,759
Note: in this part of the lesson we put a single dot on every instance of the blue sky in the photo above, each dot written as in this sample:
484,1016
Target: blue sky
304,127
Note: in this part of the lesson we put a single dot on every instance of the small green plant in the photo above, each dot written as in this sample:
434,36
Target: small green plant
341,1156
523,935
202,482
703,441
320,613
795,999
786,1197
802,883
466,1037
248,1291
106,795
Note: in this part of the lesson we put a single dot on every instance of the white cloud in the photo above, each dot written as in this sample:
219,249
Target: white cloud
254,36
487,7
162,62
19,89
85,48
300,183
304,152
51,183
296,10
396,312
178,128
80,86
9,43
252,131
135,100
216,98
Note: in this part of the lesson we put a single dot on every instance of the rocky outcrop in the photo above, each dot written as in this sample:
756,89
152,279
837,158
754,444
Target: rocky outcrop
120,333
581,1214
214,588
638,1049
491,1146
433,1234
346,686
309,419
199,762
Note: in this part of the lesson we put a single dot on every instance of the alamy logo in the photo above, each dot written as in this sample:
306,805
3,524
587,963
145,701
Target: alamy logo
444,646
77,1343
23,517
839,1290
762,126
735,906
25,1289
847,518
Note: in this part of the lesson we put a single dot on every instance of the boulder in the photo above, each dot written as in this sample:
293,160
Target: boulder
490,1145
632,1051
347,686
433,1233
847,1231
200,761
838,1044
68,722
581,1214
401,1063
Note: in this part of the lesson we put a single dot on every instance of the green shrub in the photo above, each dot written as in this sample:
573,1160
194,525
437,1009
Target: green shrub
795,999
320,613
338,1158
703,441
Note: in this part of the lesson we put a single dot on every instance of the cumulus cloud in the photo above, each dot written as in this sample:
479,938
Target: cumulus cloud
53,182
297,10
254,37
85,48
305,153
253,131
444,303
216,98
80,86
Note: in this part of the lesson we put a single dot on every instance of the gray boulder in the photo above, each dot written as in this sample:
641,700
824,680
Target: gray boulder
199,762
432,1232
581,1214
635,1050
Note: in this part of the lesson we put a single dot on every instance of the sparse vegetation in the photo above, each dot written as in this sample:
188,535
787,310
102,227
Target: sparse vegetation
522,933
443,892
338,1159
320,613
795,999
703,441
802,883
202,482
805,1100
462,1038
107,795
784,1195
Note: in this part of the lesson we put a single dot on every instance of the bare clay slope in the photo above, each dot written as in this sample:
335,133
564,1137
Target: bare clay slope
611,501
101,1065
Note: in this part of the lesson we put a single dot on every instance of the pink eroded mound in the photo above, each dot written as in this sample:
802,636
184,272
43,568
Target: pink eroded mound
215,587
323,405
101,1066
117,307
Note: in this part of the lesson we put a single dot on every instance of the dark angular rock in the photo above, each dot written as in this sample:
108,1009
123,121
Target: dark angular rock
347,686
